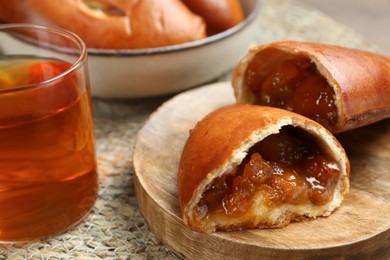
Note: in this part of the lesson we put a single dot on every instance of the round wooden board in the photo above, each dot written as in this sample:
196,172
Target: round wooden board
359,228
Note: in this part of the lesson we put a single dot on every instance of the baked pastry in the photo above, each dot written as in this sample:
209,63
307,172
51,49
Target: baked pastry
339,87
219,15
247,166
112,24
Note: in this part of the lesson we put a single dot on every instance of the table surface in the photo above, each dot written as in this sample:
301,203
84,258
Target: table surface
115,227
369,18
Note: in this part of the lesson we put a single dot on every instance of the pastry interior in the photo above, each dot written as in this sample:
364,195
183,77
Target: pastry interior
287,168
293,82
103,8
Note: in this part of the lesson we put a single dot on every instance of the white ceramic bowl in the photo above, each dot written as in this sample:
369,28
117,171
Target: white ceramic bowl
171,69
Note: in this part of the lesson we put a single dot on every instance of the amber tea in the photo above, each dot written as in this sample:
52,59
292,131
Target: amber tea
48,178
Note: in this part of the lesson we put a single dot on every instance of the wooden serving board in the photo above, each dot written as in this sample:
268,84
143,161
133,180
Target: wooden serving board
359,228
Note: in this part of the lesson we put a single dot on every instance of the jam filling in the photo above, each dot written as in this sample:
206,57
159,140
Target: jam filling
294,84
288,167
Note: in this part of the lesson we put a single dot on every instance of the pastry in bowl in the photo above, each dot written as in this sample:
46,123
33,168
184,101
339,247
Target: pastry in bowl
219,15
112,24
246,166
339,87
129,24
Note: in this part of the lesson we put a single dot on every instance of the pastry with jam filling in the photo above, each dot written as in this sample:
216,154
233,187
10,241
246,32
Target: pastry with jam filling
339,87
247,166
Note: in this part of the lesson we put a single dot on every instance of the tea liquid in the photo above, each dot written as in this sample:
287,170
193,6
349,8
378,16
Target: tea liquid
48,178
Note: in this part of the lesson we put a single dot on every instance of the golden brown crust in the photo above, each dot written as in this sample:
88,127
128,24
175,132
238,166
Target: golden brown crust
212,142
360,79
221,140
219,15
130,24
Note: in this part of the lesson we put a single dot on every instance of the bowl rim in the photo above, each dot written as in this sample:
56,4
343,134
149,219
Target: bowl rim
183,46
78,64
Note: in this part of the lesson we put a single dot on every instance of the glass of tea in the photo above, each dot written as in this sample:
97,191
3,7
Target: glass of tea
48,177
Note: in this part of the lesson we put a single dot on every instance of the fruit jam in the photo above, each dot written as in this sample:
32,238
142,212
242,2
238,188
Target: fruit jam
285,168
293,83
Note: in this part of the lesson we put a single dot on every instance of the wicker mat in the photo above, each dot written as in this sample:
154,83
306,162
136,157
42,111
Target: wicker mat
115,229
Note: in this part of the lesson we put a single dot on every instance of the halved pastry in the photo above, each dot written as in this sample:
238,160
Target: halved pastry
341,88
246,166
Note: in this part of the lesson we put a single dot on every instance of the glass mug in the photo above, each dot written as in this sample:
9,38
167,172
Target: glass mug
48,177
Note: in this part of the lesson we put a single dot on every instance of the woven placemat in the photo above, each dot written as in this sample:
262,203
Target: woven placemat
115,229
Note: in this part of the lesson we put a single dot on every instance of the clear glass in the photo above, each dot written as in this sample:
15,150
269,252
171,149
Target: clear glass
48,177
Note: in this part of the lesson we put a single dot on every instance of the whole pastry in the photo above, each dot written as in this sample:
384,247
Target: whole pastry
246,166
341,88
219,15
112,24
